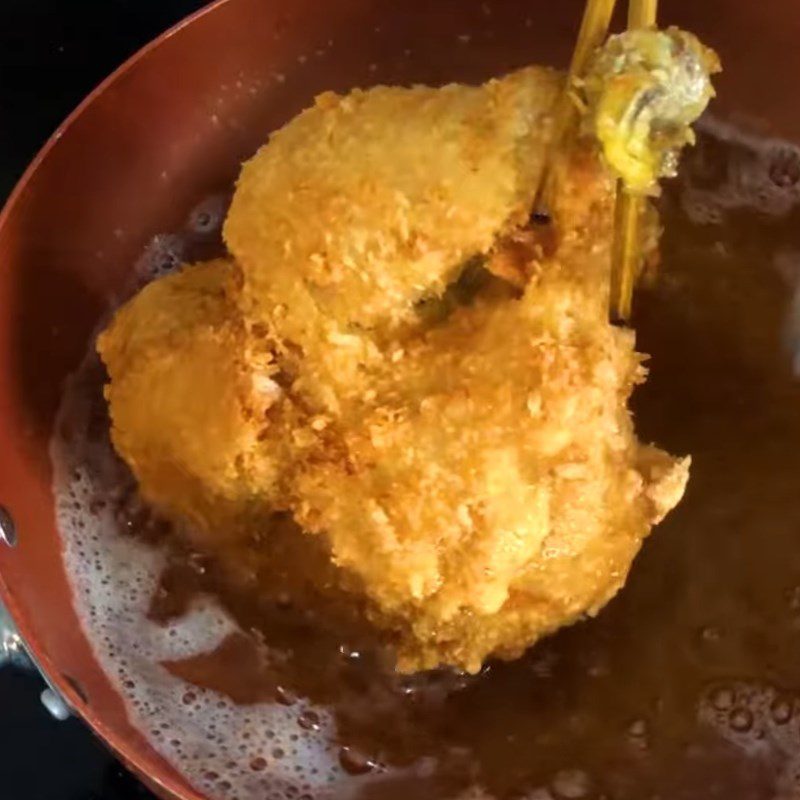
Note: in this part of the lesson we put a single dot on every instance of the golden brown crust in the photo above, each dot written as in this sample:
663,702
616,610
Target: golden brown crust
190,412
474,471
494,488
364,204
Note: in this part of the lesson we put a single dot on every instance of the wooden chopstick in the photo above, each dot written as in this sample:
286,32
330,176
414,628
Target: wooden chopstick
624,252
641,13
626,249
593,31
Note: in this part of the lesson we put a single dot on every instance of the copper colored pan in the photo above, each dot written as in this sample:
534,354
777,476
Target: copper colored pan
170,127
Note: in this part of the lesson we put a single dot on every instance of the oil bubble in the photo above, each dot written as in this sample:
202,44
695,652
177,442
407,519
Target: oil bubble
571,784
722,698
781,710
355,762
741,719
784,168
309,720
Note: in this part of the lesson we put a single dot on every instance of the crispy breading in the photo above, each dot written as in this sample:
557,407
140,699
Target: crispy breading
189,407
366,203
470,464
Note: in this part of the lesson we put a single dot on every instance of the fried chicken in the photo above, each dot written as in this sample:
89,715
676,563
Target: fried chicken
461,445
365,204
190,406
494,488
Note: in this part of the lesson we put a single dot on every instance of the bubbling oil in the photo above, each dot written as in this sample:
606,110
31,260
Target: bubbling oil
685,686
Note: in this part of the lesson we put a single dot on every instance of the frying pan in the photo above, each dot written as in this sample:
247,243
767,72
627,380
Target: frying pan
171,126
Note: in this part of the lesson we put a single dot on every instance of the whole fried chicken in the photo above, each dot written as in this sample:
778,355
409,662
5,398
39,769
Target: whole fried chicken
399,358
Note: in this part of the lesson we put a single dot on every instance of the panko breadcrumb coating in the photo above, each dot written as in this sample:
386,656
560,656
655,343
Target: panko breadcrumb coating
494,488
189,406
465,454
366,203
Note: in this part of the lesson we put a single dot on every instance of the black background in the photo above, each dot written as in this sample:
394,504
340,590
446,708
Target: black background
52,53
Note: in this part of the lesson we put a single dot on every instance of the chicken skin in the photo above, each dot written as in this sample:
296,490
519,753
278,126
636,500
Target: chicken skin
398,358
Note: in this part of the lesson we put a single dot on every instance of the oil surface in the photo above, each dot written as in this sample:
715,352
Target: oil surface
686,685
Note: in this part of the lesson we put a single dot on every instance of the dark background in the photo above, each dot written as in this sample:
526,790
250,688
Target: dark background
52,53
